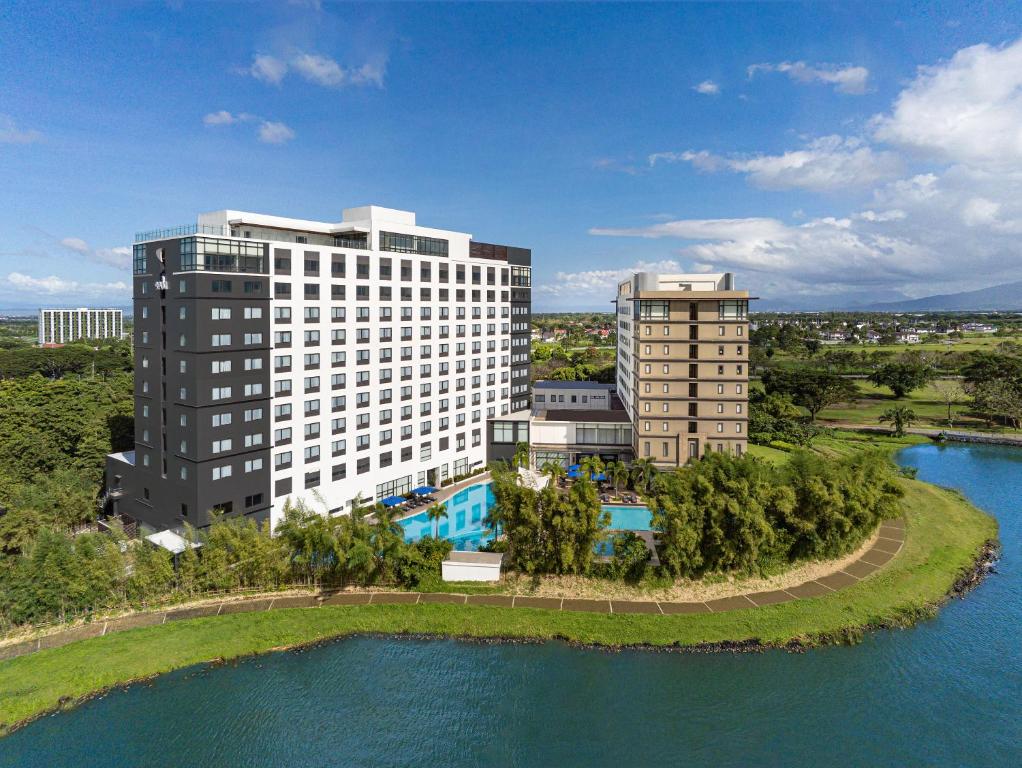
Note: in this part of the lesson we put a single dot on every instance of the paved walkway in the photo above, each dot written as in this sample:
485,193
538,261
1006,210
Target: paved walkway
956,435
887,545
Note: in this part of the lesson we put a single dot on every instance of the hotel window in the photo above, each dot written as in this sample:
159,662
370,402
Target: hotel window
253,363
220,473
720,427
720,389
738,389
217,340
219,446
253,313
253,465
646,426
221,419
738,408
221,313
216,366
282,460
733,309
720,350
665,427
720,407
652,310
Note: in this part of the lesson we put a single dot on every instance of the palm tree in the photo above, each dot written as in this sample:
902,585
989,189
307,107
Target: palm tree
590,466
618,473
554,470
900,417
643,472
521,457
436,513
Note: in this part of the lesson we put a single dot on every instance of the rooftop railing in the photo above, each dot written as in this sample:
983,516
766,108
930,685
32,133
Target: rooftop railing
224,230
219,230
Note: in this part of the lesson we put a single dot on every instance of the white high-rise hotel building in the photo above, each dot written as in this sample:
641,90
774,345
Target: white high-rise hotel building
281,358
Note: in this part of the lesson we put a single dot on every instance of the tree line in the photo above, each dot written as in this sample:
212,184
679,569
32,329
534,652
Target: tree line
721,514
104,357
55,576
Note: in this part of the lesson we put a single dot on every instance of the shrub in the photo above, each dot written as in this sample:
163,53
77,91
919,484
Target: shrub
631,557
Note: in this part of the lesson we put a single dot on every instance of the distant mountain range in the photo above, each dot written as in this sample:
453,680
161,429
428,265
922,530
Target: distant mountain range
1007,297
997,297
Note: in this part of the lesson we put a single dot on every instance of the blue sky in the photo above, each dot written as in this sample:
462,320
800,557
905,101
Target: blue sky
820,151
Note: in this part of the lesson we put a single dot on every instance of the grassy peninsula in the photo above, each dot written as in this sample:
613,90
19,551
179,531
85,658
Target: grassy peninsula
945,533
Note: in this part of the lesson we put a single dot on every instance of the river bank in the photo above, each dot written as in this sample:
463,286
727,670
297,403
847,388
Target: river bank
945,535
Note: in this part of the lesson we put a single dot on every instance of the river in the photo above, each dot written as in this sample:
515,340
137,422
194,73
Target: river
945,693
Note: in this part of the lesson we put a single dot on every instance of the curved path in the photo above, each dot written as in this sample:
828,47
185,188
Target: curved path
889,542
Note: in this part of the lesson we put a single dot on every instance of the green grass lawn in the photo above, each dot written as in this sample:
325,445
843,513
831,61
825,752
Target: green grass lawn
929,408
944,534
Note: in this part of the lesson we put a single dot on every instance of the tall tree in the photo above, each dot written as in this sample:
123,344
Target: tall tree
813,389
902,378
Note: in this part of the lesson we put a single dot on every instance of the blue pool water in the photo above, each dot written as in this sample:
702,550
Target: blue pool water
623,518
466,513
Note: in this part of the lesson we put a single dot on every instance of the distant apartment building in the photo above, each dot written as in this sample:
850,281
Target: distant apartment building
61,326
284,359
682,364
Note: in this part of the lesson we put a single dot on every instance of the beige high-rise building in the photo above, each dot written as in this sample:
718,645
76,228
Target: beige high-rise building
682,364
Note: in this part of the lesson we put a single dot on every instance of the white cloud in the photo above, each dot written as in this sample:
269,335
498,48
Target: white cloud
224,118
267,68
845,78
275,133
967,110
119,257
71,291
707,88
11,134
951,222
816,250
598,284
318,69
826,163
979,211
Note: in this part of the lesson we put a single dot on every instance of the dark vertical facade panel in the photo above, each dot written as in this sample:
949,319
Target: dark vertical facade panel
198,493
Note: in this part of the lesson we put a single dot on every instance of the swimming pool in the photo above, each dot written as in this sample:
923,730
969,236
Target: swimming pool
628,518
466,511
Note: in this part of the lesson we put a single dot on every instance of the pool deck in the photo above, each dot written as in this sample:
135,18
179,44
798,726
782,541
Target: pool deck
889,542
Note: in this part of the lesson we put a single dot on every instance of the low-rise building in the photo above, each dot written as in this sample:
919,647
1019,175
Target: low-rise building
571,395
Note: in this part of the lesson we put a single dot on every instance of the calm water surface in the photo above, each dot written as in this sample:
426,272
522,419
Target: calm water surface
946,693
